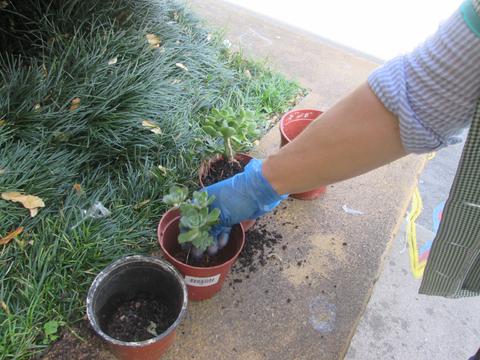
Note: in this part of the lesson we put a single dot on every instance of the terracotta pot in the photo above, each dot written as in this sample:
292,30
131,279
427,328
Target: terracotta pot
167,217
202,282
205,168
125,278
291,125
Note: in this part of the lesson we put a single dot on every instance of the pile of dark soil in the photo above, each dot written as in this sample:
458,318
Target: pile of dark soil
259,247
83,344
139,319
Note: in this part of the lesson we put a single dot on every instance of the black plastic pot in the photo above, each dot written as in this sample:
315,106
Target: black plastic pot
123,280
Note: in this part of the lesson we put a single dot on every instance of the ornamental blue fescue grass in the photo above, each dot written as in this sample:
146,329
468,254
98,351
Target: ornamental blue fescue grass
92,113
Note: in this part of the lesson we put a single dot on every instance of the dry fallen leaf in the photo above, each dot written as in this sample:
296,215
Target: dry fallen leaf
5,240
30,202
141,204
181,66
4,307
113,61
152,126
44,71
3,122
77,187
163,169
153,40
75,104
37,107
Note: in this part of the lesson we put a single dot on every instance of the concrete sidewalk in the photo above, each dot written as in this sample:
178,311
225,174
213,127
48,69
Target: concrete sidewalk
401,324
305,304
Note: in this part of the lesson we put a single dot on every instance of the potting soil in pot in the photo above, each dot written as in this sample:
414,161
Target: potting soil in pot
183,255
139,319
222,169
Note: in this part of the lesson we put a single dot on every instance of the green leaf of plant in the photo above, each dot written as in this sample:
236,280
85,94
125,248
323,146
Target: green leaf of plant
213,216
237,139
211,131
203,240
50,327
228,132
176,196
188,236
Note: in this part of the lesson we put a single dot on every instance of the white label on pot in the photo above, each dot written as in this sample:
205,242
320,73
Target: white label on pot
202,281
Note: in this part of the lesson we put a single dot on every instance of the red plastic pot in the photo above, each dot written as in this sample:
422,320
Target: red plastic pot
291,125
124,279
244,159
202,282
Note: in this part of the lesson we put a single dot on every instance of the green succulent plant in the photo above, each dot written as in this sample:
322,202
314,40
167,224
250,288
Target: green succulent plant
236,129
196,217
176,196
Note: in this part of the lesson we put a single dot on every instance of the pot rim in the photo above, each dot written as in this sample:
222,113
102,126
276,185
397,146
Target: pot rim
116,264
216,267
282,120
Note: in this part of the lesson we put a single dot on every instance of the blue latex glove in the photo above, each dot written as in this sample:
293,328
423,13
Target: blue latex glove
246,195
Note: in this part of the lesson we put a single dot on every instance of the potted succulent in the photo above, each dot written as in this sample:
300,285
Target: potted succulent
185,239
292,124
235,131
135,305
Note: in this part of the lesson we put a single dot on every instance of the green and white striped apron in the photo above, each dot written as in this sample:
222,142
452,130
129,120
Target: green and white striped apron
453,267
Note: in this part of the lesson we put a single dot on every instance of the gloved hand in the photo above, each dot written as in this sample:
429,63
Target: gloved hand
246,195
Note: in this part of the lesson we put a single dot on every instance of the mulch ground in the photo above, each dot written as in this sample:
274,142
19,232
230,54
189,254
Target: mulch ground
85,345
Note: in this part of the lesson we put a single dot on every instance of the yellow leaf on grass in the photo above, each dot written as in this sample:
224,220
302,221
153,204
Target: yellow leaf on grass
152,126
141,204
4,307
28,201
31,202
5,240
181,66
44,71
77,187
163,169
113,61
153,40
75,104
3,122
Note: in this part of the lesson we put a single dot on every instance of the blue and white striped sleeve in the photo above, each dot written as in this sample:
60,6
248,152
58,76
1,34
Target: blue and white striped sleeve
434,89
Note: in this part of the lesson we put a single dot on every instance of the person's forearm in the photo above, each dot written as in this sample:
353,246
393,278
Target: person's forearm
356,135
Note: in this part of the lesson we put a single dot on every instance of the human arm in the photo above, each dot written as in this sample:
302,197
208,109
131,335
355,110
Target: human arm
414,103
420,100
356,135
